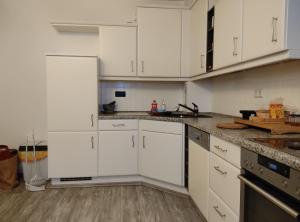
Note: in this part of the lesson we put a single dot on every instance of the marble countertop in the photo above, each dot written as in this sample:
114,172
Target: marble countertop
239,137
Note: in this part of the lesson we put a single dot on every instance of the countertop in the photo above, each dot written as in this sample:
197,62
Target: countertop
237,136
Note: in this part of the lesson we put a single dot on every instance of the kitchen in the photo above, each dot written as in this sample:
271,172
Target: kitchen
62,63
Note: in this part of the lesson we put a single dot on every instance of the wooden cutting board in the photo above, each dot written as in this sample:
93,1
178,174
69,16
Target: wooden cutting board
232,126
275,128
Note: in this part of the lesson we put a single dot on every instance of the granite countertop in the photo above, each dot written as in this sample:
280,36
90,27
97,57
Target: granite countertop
237,136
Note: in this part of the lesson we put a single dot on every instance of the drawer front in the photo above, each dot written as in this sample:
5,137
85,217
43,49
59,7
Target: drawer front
117,124
161,126
226,150
218,211
223,180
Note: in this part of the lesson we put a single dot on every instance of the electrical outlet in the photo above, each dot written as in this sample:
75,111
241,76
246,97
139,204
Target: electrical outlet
258,93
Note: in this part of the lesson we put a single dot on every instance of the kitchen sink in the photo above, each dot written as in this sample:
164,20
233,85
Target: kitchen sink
180,114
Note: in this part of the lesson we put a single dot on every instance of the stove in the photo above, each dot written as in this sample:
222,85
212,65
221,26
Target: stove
286,145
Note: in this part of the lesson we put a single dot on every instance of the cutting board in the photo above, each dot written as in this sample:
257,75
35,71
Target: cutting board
275,128
232,126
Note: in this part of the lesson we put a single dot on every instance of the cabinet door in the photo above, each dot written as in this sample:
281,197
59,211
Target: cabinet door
159,42
72,154
263,27
117,51
161,156
198,37
227,33
118,153
198,176
72,102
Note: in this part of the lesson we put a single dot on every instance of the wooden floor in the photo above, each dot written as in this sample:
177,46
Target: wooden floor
104,204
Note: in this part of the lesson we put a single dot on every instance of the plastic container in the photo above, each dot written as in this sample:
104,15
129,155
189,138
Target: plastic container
42,160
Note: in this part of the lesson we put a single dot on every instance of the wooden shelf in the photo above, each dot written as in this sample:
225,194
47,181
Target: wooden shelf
85,28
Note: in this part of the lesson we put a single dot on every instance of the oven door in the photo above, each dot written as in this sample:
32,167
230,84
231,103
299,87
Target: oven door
262,202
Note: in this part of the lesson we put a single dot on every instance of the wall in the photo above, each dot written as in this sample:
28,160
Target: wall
25,37
234,92
139,95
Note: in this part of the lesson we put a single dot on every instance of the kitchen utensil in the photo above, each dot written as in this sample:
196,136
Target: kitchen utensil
109,108
247,113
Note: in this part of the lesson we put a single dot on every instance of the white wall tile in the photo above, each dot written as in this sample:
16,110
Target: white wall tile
139,95
234,92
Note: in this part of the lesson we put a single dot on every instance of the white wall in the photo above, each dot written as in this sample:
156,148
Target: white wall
25,37
234,92
139,95
200,93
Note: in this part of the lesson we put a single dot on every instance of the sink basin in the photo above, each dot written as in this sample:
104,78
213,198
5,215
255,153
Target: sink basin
180,114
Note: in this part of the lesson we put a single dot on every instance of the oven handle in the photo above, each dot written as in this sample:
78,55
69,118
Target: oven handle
271,198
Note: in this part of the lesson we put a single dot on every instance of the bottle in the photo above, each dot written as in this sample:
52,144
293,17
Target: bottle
154,106
163,106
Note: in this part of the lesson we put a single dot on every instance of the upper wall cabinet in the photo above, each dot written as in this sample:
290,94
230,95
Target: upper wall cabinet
227,33
198,37
159,42
263,27
117,51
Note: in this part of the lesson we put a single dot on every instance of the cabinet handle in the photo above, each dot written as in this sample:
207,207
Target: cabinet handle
92,120
218,212
143,65
274,33
202,57
118,125
144,145
217,168
92,142
132,66
220,149
235,39
132,139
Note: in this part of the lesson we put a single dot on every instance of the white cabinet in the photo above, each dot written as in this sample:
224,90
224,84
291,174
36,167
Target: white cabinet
227,33
219,211
118,153
159,42
198,37
263,27
72,103
117,51
72,109
161,153
198,176
224,181
118,147
72,154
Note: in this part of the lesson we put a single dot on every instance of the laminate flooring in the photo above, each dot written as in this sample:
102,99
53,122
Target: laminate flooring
93,204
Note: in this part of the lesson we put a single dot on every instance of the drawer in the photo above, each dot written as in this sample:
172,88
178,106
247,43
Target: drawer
226,150
218,211
223,180
118,124
161,126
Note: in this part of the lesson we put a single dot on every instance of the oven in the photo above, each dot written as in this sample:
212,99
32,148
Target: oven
270,190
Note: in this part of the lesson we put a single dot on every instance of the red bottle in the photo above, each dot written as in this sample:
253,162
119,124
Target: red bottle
154,106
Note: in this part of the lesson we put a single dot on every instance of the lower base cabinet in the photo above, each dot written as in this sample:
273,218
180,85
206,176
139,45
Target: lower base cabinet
161,156
198,176
118,153
72,154
218,211
161,151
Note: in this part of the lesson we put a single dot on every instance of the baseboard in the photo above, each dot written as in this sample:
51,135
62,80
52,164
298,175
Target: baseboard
120,180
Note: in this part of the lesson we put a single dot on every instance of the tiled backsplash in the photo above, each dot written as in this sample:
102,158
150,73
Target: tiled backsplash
139,95
234,92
